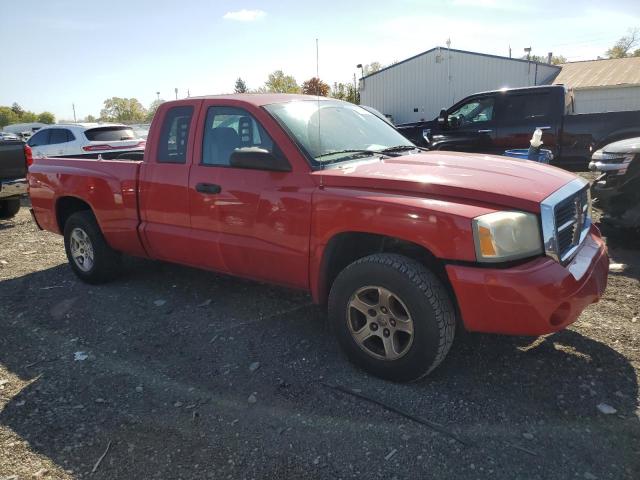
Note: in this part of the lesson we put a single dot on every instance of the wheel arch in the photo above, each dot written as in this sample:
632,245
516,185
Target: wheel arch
346,247
67,206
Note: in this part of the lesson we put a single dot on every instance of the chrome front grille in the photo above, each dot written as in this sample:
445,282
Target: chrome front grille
566,219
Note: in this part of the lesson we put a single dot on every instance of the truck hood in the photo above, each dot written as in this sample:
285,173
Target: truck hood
630,145
480,178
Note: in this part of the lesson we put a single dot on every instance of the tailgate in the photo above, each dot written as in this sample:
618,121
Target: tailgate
12,160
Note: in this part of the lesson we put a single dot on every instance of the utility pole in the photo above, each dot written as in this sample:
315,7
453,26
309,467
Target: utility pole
176,90
73,105
158,94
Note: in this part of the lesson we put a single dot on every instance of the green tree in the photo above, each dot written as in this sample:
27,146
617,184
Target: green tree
28,117
46,117
315,86
372,67
90,119
7,116
555,59
17,109
278,82
346,92
123,110
241,86
151,111
622,47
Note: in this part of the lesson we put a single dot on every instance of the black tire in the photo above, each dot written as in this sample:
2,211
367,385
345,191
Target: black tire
9,207
426,301
106,264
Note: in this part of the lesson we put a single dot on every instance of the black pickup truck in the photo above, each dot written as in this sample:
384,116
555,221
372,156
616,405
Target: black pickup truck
14,159
492,122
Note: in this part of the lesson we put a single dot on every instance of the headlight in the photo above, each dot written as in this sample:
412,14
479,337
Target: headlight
503,236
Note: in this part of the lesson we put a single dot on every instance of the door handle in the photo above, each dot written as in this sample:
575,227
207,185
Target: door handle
544,128
485,131
210,188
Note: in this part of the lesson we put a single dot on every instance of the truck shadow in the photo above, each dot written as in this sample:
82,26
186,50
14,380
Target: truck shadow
165,366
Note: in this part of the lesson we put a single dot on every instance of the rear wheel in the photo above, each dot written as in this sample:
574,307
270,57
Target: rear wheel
9,207
392,316
90,258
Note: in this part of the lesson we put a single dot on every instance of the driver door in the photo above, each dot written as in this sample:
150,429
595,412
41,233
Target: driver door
249,222
472,127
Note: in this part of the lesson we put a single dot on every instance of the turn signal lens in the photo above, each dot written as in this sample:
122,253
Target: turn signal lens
486,243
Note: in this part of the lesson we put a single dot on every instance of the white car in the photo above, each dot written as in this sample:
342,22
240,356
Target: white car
85,140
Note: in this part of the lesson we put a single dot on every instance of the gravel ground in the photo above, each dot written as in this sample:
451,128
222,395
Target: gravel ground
178,373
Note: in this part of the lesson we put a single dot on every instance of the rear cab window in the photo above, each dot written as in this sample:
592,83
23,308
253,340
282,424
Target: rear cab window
174,136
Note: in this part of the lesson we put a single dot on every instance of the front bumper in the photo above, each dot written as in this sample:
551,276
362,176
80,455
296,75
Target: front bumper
535,298
13,188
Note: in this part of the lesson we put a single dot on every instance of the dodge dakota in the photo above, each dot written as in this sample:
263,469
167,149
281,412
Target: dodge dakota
492,122
403,246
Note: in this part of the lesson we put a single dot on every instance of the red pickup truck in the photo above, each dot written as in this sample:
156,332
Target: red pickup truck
403,245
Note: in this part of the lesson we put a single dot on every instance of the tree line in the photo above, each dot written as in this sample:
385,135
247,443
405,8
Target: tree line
16,114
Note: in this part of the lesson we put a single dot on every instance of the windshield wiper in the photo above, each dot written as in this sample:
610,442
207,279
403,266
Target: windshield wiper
401,148
338,152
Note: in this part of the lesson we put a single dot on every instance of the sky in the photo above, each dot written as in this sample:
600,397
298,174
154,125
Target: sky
62,52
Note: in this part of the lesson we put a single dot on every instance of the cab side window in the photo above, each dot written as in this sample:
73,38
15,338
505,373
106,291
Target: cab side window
478,110
174,135
530,107
228,129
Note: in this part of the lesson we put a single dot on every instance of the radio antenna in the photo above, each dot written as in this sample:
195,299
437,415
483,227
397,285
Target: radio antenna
318,94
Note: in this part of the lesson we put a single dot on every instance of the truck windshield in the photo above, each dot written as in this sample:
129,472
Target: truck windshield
332,131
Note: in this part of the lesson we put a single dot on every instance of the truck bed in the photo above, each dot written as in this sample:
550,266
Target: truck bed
109,187
584,133
12,160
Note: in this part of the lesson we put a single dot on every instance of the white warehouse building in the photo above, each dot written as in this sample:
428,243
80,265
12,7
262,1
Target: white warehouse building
417,88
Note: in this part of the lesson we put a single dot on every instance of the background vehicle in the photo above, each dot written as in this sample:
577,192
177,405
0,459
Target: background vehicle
141,130
14,158
88,141
492,122
25,130
4,136
400,243
617,189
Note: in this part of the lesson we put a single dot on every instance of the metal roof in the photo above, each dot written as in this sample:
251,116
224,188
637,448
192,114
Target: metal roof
458,51
600,73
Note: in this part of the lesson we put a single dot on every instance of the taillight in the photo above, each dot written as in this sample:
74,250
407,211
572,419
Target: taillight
106,146
28,155
95,148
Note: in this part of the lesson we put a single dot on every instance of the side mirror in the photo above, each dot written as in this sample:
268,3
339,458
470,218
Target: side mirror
443,118
256,158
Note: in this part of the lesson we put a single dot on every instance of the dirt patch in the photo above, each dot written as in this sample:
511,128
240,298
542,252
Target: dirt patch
186,374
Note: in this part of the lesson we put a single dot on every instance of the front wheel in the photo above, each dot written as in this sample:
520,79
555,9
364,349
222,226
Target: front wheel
89,255
392,316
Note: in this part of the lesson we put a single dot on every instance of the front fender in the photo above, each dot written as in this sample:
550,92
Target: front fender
443,227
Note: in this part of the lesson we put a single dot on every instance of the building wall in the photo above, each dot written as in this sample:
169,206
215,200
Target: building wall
440,78
609,99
